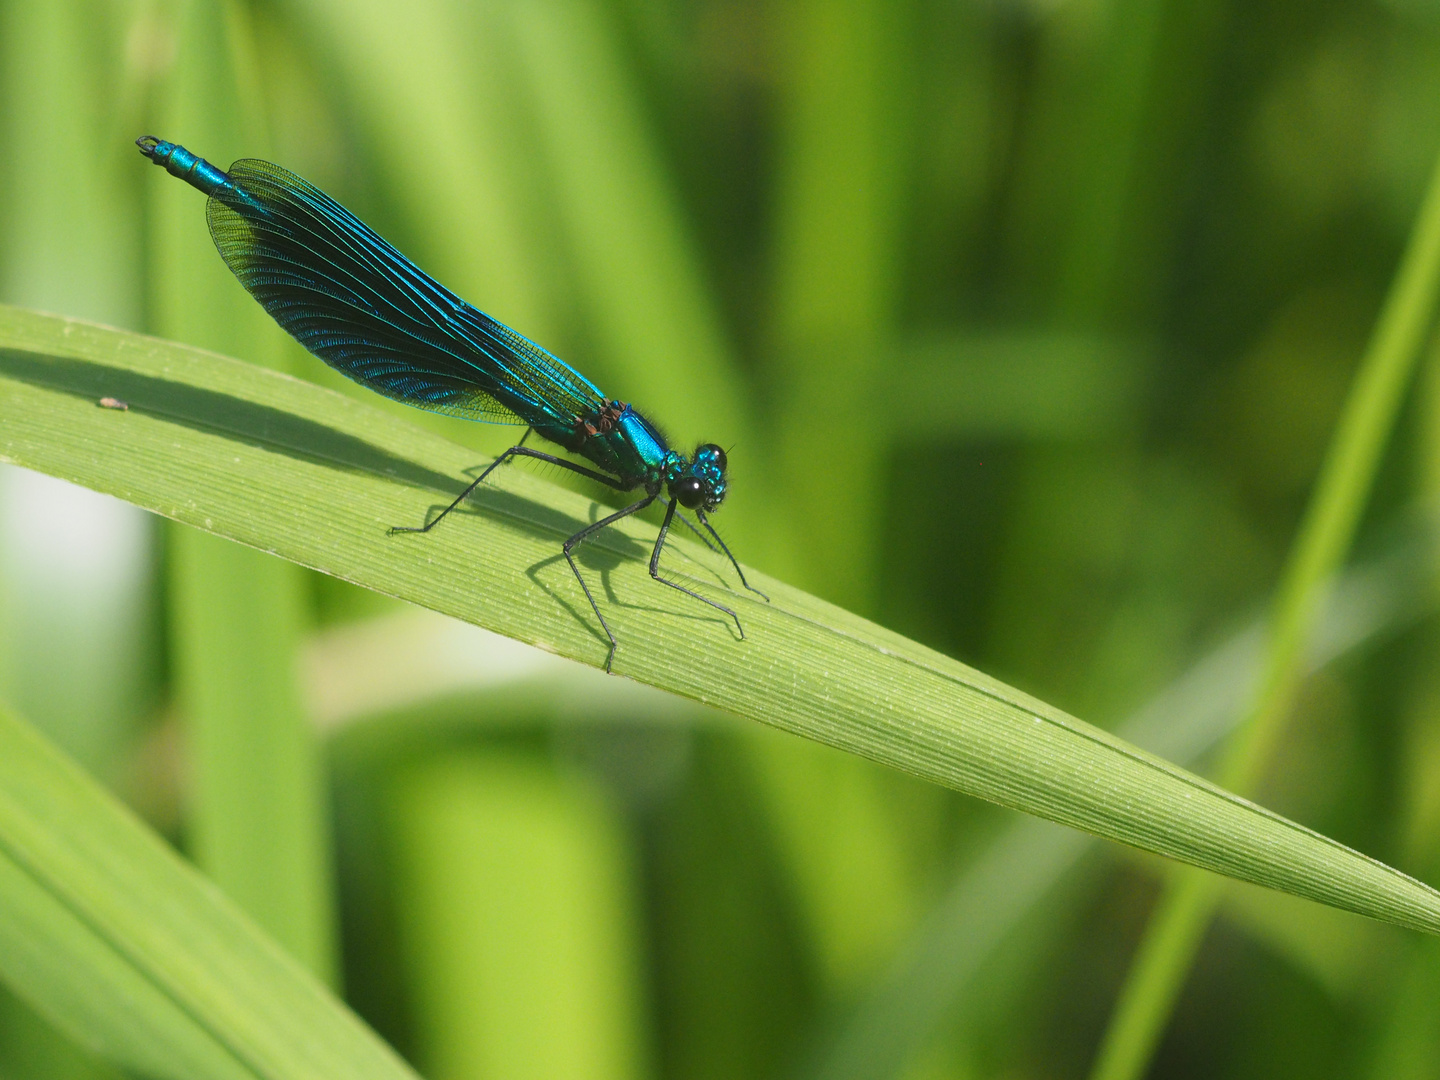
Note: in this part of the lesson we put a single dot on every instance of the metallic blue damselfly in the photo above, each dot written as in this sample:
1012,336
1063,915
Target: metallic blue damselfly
370,313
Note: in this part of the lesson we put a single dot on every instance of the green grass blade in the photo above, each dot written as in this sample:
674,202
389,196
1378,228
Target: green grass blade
518,920
839,192
455,104
838,227
74,652
935,976
1341,494
315,477
643,287
77,654
119,942
256,822
1407,1045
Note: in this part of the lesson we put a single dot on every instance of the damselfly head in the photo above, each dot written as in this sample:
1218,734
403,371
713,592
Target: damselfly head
701,484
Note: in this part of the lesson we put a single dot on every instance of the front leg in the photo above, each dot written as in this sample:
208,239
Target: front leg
655,570
706,522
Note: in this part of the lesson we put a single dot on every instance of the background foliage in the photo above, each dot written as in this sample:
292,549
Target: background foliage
1028,324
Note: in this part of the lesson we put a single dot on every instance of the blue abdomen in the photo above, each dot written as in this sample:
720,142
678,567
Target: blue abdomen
177,161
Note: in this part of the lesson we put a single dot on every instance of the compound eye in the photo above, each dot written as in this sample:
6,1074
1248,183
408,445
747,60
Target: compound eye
690,492
714,452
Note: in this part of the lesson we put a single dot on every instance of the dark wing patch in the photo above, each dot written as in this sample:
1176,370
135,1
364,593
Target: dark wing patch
362,307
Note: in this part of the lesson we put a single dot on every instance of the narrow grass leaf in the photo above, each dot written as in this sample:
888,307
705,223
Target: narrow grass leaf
1341,494
105,930
935,976
316,477
255,819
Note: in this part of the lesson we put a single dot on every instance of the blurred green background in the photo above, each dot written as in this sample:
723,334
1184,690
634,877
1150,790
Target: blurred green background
1026,322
